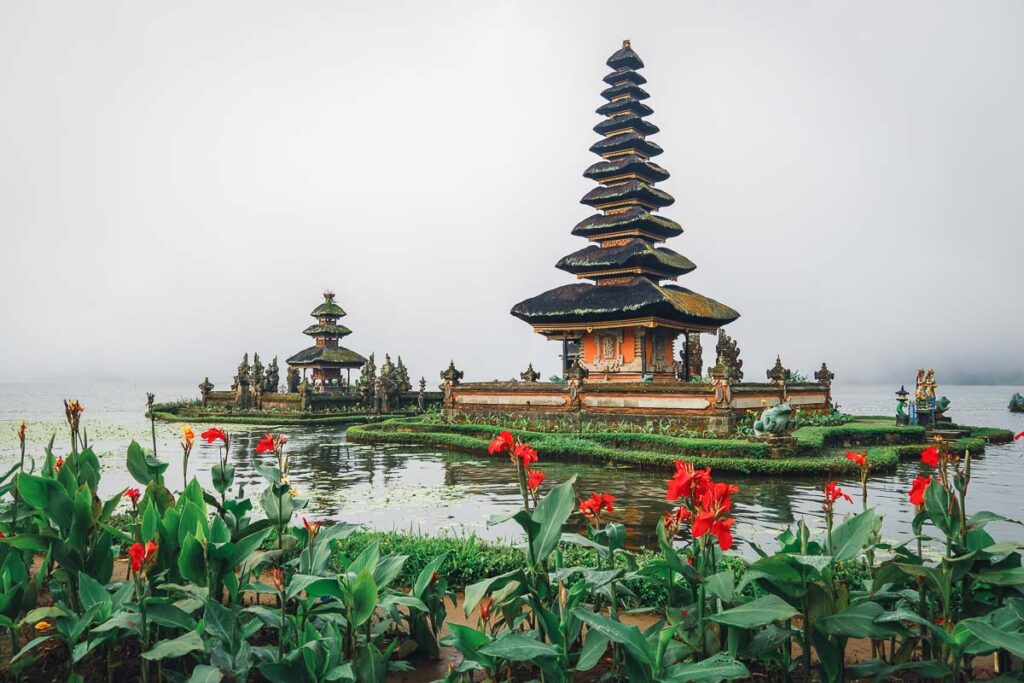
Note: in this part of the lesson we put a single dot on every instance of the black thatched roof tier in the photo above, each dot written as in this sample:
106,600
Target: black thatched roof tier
625,58
622,106
632,142
635,219
640,298
621,166
628,122
636,253
327,331
625,90
624,75
326,355
632,191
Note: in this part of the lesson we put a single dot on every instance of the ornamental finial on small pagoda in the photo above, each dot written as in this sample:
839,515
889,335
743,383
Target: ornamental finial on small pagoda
623,326
326,358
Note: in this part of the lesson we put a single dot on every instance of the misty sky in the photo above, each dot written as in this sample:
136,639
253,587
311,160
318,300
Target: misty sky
180,180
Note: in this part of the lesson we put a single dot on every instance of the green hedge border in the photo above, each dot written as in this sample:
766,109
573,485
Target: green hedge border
754,458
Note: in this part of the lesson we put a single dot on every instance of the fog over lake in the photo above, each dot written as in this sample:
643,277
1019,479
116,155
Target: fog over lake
178,182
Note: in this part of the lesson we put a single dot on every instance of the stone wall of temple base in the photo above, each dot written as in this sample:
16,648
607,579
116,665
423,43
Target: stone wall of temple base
331,400
679,405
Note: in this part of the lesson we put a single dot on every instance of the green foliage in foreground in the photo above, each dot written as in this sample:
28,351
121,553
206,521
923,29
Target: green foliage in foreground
471,560
723,455
219,590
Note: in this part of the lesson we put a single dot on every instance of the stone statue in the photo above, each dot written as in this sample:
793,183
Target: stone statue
941,406
402,377
294,377
920,392
576,375
824,375
257,372
243,384
778,374
723,392
1016,403
694,358
529,375
774,421
378,396
450,378
366,384
242,372
902,416
389,385
728,363
205,387
273,377
421,398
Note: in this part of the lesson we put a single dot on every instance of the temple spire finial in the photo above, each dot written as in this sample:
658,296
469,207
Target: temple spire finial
625,44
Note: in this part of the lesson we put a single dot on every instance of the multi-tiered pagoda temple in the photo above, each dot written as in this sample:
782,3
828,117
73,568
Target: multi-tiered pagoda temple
326,359
623,327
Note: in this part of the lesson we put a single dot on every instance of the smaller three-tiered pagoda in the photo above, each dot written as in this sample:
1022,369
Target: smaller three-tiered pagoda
326,359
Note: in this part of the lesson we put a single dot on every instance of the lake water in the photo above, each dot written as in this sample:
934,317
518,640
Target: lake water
432,491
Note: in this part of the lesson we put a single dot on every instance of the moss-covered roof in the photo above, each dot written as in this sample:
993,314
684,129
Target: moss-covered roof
325,355
328,309
629,190
635,218
319,330
609,168
636,253
639,298
634,141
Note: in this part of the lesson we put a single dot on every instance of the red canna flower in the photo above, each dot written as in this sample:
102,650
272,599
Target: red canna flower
526,454
593,505
277,578
312,528
930,456
213,433
21,432
687,481
673,520
501,443
917,490
151,549
833,493
434,578
535,479
712,514
2,535
266,444
1018,437
857,458
137,553
133,495
485,608
60,463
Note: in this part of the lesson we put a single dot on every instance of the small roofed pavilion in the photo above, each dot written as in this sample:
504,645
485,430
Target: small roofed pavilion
327,360
623,327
